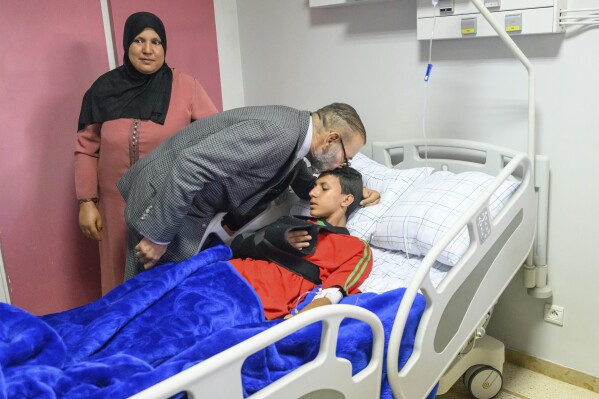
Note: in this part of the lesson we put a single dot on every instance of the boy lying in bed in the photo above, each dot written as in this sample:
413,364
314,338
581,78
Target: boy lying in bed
288,258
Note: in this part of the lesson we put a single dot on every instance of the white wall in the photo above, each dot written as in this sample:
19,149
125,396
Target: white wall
367,55
229,53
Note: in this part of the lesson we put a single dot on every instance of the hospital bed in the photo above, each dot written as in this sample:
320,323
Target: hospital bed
450,339
196,326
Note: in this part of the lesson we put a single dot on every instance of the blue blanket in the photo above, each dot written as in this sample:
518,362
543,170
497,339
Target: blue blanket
162,322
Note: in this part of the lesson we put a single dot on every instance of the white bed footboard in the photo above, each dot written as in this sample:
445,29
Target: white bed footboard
219,377
497,250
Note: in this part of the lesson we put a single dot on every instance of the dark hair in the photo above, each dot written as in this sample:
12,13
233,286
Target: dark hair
351,183
342,116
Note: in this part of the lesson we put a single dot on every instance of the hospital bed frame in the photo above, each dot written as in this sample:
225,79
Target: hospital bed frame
456,310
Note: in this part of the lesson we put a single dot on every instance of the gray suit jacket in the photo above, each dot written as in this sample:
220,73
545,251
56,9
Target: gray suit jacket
225,162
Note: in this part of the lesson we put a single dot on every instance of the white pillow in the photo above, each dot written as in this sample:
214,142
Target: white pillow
391,183
421,217
363,221
379,177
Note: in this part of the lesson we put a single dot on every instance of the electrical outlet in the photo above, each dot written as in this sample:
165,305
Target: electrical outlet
554,314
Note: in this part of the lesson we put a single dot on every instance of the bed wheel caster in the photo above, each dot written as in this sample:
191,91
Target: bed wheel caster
483,382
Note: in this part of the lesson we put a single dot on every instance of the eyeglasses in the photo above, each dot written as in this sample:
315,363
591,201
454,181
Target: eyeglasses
346,163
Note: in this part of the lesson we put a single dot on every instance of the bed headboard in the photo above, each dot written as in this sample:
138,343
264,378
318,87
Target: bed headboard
462,155
443,154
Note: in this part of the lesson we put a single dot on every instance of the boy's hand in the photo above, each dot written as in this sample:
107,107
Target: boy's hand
299,239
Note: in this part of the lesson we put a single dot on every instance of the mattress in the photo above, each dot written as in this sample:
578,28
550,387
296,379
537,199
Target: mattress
395,269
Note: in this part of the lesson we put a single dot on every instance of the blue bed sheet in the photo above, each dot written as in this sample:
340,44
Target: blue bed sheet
162,322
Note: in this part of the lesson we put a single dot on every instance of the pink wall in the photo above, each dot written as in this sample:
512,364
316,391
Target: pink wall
191,32
51,53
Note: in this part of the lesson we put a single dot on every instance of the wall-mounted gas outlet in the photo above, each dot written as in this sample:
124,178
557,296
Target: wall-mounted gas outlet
493,3
554,314
446,7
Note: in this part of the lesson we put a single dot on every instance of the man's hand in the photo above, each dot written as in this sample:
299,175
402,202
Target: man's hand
299,239
370,197
149,253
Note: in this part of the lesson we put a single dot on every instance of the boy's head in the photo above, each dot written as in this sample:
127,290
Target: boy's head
336,192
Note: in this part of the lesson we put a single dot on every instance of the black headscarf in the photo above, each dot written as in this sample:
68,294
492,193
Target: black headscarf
125,92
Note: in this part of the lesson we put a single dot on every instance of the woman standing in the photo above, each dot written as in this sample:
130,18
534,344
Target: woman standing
125,115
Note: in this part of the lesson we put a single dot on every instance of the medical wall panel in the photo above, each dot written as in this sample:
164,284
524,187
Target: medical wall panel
460,19
333,3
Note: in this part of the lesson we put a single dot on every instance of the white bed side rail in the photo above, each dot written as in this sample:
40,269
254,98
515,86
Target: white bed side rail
219,377
456,307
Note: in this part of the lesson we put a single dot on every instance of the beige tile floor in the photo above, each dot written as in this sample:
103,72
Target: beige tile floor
521,383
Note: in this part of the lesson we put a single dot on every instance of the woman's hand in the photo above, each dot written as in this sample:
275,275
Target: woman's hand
299,239
370,197
90,221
